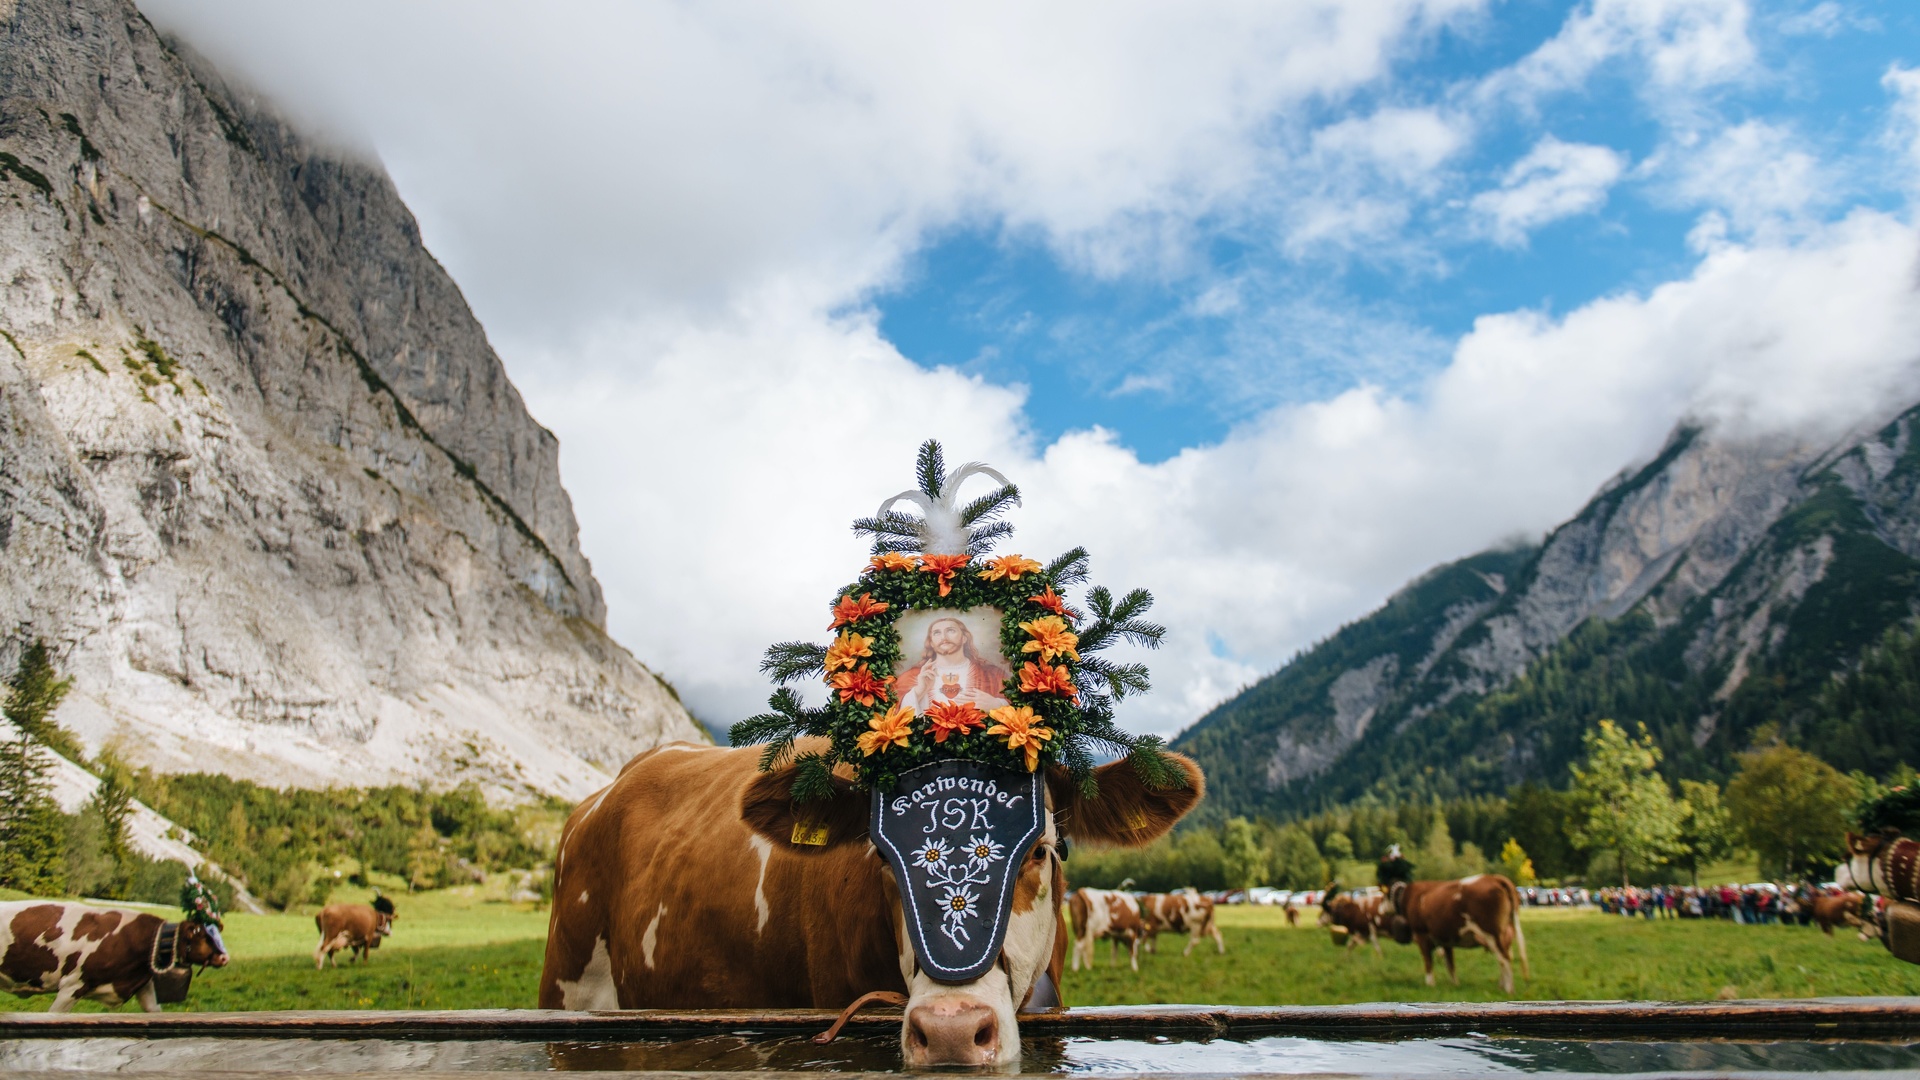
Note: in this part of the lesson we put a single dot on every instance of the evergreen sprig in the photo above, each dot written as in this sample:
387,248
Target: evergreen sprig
1898,811
790,660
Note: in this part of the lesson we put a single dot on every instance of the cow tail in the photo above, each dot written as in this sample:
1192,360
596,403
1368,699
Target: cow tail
1519,936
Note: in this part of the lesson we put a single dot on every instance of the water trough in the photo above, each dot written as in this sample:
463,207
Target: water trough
1831,1037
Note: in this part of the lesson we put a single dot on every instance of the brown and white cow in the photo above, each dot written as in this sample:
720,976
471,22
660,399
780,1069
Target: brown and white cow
680,885
356,928
1183,912
1359,915
76,951
1841,910
1110,914
1482,911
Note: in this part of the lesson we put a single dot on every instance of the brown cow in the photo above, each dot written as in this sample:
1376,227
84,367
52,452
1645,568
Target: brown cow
680,885
1360,915
75,951
1472,912
1110,914
1841,910
1183,912
357,928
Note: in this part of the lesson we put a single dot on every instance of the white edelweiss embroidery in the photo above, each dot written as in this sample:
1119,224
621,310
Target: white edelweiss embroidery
935,855
982,851
958,904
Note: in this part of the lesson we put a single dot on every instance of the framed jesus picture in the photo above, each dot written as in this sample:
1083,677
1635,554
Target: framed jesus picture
951,655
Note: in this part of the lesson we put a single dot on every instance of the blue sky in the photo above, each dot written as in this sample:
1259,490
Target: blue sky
1142,353
1271,304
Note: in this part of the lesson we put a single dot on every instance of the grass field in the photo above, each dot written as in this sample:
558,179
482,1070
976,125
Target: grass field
456,950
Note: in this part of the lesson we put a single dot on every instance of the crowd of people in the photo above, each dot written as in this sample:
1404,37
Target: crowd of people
1748,904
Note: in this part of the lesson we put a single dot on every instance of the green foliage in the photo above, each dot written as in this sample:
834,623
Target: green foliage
1515,864
288,845
156,356
1706,826
33,831
1243,858
1895,809
1624,806
1792,809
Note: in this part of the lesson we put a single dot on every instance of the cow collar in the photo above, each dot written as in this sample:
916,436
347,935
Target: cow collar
956,834
166,940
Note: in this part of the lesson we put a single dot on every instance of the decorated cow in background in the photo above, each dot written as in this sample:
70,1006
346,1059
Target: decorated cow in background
111,955
904,842
1884,859
356,928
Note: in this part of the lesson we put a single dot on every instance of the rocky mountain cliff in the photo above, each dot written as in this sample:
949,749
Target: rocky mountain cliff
263,482
1722,586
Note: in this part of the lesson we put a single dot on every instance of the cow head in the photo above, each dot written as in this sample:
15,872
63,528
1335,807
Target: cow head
383,916
973,1022
200,945
1326,905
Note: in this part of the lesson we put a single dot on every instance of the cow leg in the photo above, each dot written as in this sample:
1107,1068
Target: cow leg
63,1001
1373,939
1452,975
149,1001
1219,941
1136,953
1191,942
1426,956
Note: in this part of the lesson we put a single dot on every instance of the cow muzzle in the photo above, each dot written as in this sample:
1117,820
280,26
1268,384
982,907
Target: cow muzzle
952,1029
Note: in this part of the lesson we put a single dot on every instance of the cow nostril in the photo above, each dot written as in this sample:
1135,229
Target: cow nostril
985,1036
917,1037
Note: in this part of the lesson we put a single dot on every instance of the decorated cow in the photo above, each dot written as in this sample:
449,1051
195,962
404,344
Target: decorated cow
902,843
1884,859
111,955
354,928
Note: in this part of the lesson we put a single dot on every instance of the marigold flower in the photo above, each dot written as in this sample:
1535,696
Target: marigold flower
1051,638
1021,729
890,728
1042,679
850,610
954,718
893,560
1009,567
846,650
860,685
945,566
1053,602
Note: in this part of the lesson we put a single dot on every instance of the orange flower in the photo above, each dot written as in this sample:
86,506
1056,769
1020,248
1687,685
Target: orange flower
1041,679
1051,638
849,610
846,649
1053,602
1021,728
892,560
954,718
890,728
1009,567
945,566
861,685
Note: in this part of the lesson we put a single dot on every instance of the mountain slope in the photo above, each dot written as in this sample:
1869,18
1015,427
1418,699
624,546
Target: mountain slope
1720,587
262,480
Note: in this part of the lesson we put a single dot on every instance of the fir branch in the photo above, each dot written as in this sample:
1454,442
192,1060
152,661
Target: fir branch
1068,569
790,660
789,718
812,778
891,523
776,753
1154,767
1079,764
1121,679
981,540
991,505
931,469
1116,622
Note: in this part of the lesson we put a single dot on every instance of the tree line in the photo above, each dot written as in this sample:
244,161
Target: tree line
1620,820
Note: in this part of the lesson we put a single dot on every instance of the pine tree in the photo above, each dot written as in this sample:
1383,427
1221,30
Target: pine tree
32,832
113,802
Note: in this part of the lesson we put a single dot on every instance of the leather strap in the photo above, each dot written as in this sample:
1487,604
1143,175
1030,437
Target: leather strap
888,996
169,932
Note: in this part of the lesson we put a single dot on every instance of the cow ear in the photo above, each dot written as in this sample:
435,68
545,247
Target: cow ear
1125,810
768,808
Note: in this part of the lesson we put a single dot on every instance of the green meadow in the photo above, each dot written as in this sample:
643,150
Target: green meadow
458,949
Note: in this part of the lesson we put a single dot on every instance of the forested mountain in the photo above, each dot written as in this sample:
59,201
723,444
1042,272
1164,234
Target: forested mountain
1728,584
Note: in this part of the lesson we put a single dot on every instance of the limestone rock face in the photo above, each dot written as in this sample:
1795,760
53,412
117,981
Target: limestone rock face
1723,559
263,482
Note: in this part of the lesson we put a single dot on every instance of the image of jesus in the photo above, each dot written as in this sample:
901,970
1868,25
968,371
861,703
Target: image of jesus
951,669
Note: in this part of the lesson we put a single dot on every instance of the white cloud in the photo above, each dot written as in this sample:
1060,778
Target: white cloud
716,471
1755,172
1554,180
1903,120
1684,45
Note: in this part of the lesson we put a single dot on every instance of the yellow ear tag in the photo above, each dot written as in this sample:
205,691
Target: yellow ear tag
812,834
1136,821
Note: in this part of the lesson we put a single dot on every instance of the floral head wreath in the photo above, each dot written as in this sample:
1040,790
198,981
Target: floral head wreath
1059,696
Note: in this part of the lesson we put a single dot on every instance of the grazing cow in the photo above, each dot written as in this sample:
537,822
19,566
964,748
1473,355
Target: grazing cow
357,928
1841,910
694,881
75,951
1478,911
1360,915
1183,912
1110,914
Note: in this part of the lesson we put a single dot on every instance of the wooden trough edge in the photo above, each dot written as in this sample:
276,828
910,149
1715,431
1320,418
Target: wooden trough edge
1798,1019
